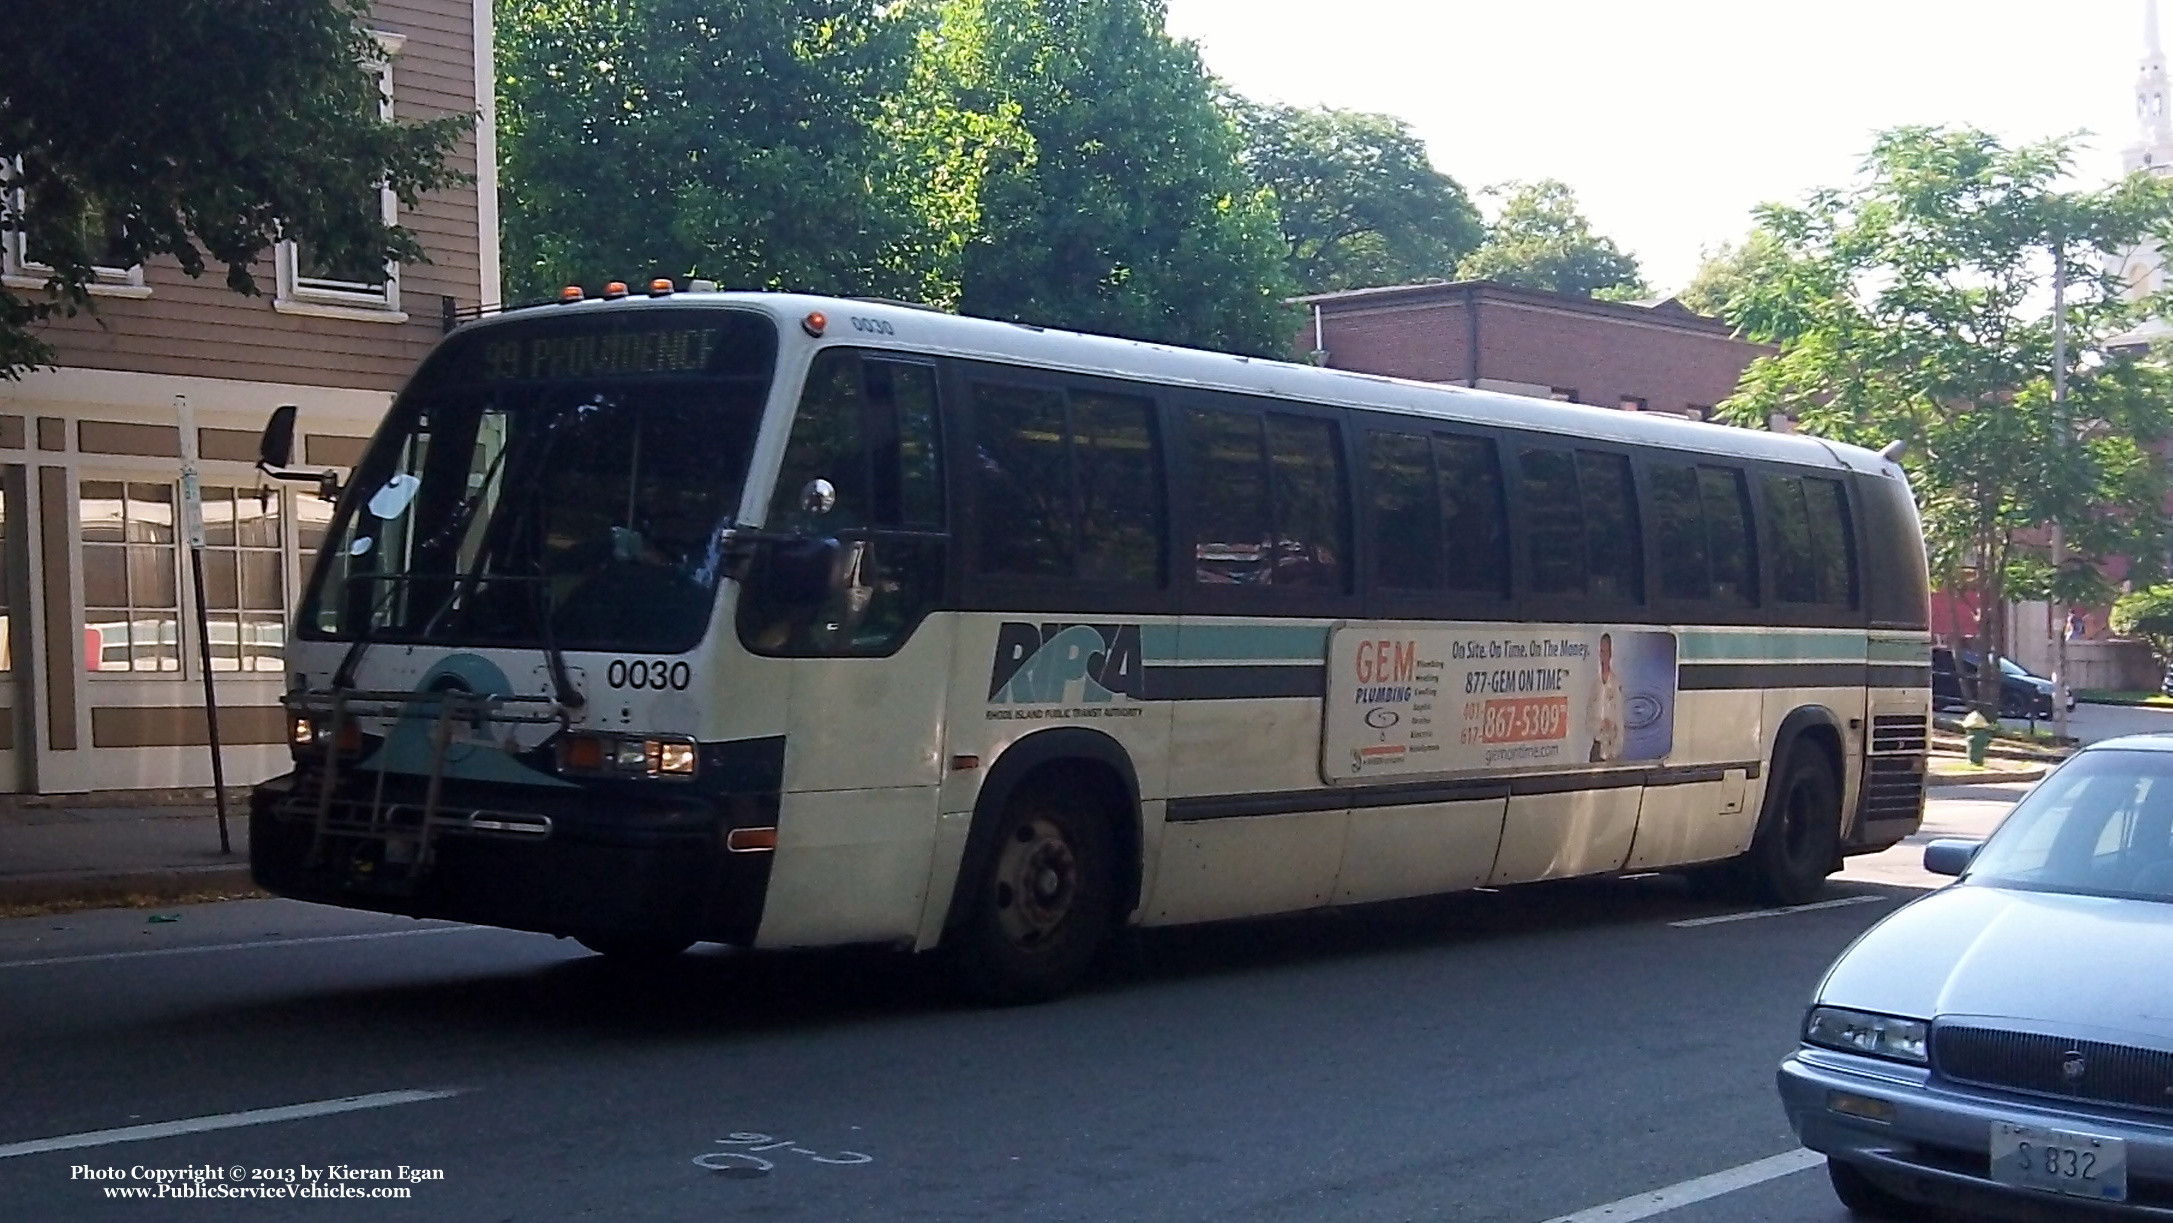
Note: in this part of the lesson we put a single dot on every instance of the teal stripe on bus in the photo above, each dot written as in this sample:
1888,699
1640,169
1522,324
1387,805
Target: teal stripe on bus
1774,645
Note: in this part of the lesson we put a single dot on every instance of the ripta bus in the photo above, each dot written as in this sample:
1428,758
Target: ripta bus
785,621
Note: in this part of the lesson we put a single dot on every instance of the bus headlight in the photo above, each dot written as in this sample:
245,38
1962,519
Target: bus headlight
1886,1036
309,736
608,755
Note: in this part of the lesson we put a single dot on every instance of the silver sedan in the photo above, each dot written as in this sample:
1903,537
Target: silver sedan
2005,1045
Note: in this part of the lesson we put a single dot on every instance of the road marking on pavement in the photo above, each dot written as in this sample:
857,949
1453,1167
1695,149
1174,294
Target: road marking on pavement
1835,903
220,1121
251,946
1686,1193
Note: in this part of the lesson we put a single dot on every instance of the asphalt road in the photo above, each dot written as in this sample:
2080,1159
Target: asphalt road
1516,1056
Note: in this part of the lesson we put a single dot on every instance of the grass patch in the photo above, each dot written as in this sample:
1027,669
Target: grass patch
2121,696
136,900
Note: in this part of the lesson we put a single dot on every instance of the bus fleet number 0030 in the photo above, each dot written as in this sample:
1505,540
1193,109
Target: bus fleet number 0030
650,673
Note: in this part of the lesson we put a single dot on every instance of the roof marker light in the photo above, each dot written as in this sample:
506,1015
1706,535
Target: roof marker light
571,293
814,323
615,290
660,287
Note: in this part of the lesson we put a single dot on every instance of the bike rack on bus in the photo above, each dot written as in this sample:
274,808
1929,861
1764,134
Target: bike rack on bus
445,710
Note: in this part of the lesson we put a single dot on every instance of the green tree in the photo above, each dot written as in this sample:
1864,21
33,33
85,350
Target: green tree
204,130
1729,273
1122,206
746,141
1541,241
2148,614
1359,201
1914,306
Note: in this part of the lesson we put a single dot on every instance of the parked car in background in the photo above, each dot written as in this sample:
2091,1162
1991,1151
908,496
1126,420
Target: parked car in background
2004,1046
2022,693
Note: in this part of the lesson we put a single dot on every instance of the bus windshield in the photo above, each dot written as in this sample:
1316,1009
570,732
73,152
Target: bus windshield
557,481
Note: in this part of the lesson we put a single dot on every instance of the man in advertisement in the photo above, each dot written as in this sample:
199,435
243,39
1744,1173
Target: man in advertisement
1603,712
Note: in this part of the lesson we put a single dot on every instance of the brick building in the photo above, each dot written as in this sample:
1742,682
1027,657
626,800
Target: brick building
99,680
1658,358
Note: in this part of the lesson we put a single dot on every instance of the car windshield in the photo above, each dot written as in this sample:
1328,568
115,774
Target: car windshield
2009,666
2101,825
556,481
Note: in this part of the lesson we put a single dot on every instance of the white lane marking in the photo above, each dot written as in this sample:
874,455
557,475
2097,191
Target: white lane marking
211,947
220,1121
1685,1193
1835,903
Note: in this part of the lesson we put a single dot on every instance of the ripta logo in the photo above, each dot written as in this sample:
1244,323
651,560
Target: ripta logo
1043,664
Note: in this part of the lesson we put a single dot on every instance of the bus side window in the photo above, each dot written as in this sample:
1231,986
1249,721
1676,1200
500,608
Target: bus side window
1614,548
1068,485
1268,504
1473,521
1833,550
1731,542
1795,571
1553,522
868,426
1406,514
1679,519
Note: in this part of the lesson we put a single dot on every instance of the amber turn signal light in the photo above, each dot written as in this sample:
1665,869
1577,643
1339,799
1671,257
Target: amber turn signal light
660,287
615,290
571,293
814,323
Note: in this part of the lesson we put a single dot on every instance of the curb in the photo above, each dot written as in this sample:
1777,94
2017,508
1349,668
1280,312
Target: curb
112,887
1987,777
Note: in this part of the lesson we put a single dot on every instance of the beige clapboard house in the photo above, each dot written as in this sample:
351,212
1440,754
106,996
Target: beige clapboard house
101,662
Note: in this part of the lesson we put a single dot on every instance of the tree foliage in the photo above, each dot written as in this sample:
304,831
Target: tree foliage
1123,207
204,130
1728,274
1360,202
739,140
2148,614
1914,306
1541,241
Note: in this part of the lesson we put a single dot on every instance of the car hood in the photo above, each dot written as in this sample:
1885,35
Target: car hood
2076,963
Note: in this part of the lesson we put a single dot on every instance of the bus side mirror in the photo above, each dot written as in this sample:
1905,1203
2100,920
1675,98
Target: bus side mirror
276,447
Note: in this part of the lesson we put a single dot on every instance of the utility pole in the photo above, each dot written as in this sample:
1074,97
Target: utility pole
2061,439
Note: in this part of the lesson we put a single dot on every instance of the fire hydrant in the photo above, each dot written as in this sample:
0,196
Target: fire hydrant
1978,728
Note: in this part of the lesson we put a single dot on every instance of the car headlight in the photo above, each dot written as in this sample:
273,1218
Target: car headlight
1886,1036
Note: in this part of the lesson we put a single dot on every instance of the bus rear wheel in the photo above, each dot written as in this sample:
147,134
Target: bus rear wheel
1799,832
1040,903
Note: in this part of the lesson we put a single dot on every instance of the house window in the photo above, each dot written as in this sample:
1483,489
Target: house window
24,266
310,284
131,597
245,589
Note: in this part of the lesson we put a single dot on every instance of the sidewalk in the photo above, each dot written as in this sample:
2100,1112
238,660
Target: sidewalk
85,853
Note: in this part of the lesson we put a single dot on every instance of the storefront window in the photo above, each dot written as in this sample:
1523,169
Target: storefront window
131,598
245,585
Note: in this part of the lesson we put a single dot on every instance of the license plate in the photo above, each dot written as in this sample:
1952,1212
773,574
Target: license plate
2060,1161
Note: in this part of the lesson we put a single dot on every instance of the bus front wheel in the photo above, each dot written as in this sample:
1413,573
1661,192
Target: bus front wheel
1799,833
1040,902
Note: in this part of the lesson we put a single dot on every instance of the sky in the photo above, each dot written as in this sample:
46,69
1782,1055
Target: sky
1672,119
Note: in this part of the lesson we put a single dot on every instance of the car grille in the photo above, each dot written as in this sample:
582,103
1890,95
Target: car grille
1899,732
2043,1065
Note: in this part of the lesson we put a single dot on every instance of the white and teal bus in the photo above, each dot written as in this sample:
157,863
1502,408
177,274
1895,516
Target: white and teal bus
786,621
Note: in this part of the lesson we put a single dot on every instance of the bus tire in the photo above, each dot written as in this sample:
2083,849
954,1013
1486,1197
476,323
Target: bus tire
1040,905
1798,840
634,949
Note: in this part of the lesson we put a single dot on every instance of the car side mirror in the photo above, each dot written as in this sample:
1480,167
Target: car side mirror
1949,856
276,447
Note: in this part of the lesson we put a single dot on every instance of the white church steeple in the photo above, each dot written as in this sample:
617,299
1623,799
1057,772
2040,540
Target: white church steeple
2153,115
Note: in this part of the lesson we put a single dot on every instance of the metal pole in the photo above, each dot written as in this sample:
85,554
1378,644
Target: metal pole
2059,534
192,516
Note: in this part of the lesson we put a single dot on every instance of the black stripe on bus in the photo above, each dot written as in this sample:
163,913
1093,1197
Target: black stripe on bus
1248,682
1411,794
1712,676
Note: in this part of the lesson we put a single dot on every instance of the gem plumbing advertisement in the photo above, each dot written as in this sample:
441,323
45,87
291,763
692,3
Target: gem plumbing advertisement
1495,699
